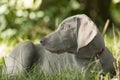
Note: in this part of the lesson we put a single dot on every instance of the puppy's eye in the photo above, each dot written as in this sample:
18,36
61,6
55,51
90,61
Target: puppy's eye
65,27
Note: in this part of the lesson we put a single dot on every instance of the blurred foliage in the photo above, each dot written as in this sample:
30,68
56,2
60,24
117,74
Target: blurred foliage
115,11
30,19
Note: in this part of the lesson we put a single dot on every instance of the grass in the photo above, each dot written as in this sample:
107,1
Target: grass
112,40
68,75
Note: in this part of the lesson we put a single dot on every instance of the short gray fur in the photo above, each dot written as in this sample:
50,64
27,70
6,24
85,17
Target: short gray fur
26,55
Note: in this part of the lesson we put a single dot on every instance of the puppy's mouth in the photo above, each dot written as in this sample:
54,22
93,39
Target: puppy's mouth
55,50
58,52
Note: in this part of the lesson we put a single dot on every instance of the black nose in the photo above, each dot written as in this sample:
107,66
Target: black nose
42,41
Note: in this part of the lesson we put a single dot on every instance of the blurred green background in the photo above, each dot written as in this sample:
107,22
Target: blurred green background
21,20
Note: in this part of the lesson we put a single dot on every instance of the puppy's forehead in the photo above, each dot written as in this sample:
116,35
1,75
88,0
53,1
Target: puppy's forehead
69,19
72,18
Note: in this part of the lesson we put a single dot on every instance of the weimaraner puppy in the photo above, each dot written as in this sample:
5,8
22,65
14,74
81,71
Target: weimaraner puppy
79,35
26,55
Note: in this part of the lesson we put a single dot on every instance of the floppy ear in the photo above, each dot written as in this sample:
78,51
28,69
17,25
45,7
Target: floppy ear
87,30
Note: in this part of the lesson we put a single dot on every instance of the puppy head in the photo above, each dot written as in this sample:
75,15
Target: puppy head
73,33
63,39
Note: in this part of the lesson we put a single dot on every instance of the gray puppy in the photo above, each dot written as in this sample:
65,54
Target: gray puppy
79,35
26,55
